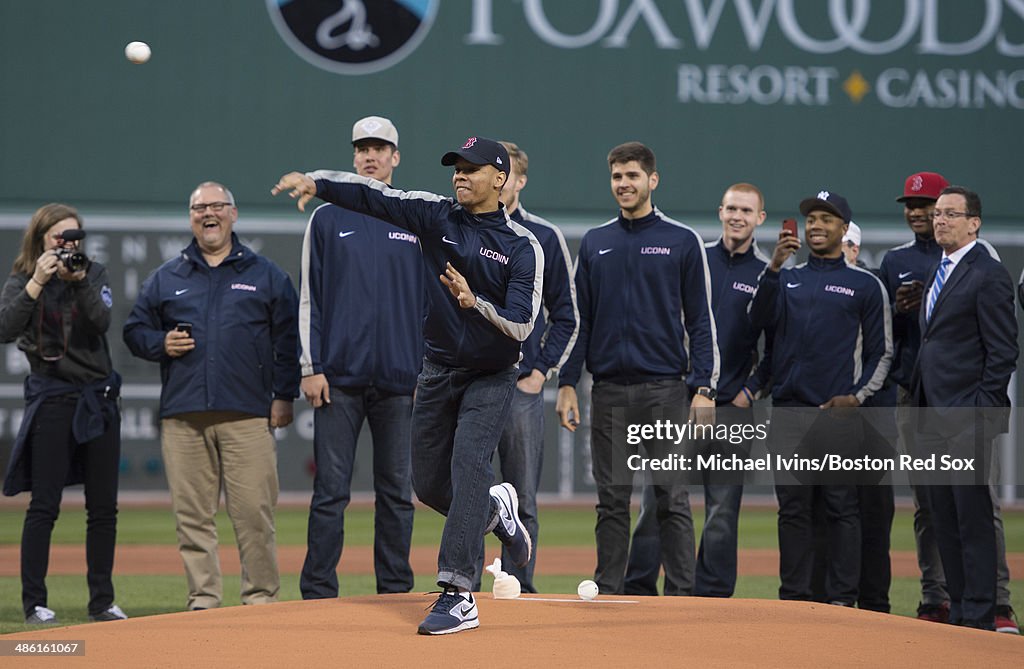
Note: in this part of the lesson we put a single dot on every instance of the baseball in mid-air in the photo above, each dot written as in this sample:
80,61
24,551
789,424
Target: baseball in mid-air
587,590
137,52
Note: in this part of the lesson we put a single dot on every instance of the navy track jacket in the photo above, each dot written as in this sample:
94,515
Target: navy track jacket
502,262
734,280
638,283
558,323
244,316
361,302
832,331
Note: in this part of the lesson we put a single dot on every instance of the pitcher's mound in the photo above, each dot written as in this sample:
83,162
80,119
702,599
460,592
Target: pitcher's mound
535,632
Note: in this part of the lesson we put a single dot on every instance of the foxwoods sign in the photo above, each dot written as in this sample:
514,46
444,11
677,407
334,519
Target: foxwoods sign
357,37
917,25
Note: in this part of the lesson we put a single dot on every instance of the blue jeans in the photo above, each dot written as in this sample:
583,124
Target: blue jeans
336,432
521,450
715,575
715,572
457,420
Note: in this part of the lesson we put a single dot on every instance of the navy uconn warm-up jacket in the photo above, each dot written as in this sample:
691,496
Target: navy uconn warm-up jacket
244,315
734,280
361,302
558,323
644,295
832,328
501,260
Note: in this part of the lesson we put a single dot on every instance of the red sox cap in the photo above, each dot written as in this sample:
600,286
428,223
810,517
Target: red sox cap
925,185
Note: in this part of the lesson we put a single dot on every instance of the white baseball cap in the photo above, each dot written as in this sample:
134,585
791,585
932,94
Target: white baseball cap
852,234
375,127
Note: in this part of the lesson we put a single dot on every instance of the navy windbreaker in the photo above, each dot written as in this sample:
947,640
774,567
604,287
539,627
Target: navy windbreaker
501,260
643,290
361,302
832,331
734,280
244,316
558,323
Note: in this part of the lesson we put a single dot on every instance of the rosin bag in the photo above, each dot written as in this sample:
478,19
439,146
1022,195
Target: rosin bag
505,586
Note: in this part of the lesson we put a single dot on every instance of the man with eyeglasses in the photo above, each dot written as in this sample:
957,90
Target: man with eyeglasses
222,322
903,271
968,352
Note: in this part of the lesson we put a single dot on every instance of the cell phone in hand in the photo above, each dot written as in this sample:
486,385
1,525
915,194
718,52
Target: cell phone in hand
789,225
184,327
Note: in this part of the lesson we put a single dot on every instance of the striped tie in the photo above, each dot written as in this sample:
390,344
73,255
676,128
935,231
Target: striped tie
940,280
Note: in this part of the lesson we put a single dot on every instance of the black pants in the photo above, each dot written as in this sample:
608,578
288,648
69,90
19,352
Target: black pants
638,403
52,450
877,509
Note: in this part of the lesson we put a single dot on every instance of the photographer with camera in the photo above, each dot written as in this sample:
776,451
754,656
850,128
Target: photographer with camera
56,306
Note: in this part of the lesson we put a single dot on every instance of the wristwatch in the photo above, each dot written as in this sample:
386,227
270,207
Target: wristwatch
709,393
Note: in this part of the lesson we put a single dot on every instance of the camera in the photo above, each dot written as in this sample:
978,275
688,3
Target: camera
69,256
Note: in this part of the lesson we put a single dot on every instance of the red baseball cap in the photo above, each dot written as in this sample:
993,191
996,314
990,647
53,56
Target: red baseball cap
925,185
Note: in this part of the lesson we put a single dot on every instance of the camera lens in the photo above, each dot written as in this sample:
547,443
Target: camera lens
76,262
73,261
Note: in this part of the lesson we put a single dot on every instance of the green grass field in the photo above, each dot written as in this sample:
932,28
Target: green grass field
560,526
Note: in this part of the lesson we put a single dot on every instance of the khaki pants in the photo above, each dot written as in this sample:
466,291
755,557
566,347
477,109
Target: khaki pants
204,453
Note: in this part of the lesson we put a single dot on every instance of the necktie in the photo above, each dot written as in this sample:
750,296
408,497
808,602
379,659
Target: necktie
940,280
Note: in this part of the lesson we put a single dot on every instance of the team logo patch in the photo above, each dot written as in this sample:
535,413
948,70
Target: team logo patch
469,143
353,36
107,296
243,286
917,184
371,126
824,195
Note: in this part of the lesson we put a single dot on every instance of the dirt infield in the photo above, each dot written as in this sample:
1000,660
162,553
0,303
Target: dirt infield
668,631
164,559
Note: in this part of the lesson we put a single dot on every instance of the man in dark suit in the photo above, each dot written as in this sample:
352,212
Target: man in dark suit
968,351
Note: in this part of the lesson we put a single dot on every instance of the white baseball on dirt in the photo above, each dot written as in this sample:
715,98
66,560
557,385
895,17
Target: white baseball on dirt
587,590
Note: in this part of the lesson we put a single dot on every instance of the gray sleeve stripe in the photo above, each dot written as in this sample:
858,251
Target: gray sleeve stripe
386,190
305,315
716,362
874,384
518,331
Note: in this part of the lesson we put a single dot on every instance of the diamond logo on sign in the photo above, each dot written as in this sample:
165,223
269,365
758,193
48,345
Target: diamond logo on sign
353,36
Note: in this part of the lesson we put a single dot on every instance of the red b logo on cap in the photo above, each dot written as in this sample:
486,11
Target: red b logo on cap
918,184
469,143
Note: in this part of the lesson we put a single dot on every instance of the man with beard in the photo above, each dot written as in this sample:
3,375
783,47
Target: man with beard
644,295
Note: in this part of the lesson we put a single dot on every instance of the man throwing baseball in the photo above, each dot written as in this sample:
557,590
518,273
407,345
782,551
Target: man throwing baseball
480,310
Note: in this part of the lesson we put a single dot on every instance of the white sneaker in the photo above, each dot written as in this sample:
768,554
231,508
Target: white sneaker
42,616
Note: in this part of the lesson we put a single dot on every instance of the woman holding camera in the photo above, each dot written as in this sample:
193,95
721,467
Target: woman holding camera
56,306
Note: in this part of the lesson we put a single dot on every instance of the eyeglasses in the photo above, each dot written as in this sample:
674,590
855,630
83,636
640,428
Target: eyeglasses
951,215
216,207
